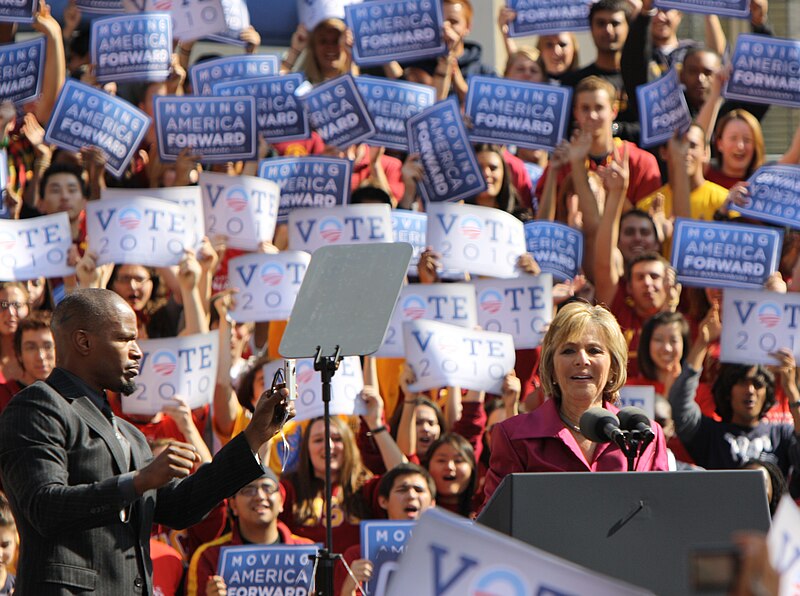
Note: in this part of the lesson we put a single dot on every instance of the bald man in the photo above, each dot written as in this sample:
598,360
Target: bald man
83,485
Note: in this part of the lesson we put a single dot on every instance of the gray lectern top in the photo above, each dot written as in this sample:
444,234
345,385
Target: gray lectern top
346,300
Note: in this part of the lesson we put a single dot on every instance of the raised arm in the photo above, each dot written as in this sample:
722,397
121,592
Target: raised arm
608,260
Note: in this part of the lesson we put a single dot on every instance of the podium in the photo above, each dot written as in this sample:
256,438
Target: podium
636,526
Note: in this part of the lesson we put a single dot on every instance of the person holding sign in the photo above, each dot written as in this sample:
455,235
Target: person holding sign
583,365
328,52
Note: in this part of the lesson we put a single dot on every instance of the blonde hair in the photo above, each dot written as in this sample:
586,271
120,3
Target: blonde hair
570,323
528,52
310,67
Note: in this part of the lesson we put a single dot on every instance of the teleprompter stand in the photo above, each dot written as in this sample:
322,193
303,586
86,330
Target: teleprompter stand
343,309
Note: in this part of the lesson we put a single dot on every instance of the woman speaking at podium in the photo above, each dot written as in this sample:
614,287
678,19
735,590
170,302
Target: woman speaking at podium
583,365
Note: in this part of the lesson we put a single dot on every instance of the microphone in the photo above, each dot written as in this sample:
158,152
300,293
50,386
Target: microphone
601,426
635,420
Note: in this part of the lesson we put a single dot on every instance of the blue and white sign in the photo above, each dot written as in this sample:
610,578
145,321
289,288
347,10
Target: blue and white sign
774,195
100,6
237,19
503,111
521,307
85,116
639,396
546,17
4,214
390,104
185,366
279,115
727,255
143,231
765,70
283,569
723,8
308,181
312,12
402,30
310,229
35,247
346,397
758,322
480,240
443,355
410,227
18,11
21,70
244,209
337,112
451,169
220,129
382,543
193,19
557,248
448,557
132,47
662,109
231,68
446,303
783,541
268,284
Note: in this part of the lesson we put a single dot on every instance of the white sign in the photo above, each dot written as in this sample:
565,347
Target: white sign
346,386
446,303
310,229
447,557
783,542
481,240
141,231
522,307
193,19
313,12
35,247
267,284
188,196
758,322
184,366
242,208
443,355
639,396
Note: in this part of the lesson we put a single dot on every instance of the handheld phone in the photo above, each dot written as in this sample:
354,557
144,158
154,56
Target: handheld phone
290,377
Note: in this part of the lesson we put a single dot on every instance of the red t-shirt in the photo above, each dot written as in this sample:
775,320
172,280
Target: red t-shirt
520,178
392,167
167,569
310,146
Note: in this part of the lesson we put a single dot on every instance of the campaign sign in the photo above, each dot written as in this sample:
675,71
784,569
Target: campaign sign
268,284
18,11
87,116
100,6
452,303
724,8
279,115
237,19
312,181
132,47
410,227
193,19
143,231
3,182
35,247
311,12
443,355
451,169
758,322
221,129
21,69
189,197
448,557
337,112
557,248
639,396
310,229
726,255
765,70
403,30
774,195
662,109
521,307
346,387
382,542
480,240
283,569
185,366
242,208
783,541
390,104
231,68
530,115
545,17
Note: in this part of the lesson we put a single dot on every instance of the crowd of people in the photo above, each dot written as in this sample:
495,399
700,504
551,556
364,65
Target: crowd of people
624,320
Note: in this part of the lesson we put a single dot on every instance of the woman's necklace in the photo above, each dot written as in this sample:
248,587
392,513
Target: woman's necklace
569,424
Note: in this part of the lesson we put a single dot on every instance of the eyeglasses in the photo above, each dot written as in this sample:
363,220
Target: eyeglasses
6,305
252,490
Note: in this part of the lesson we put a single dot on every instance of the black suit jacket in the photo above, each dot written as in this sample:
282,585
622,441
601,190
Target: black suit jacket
60,462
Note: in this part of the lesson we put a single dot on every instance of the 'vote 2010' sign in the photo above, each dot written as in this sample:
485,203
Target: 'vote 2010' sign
410,227
35,247
310,229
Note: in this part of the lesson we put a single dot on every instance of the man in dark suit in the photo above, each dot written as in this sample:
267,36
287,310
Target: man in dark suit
83,485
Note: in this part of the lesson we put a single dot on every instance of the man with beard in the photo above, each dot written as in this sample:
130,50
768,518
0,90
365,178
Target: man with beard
82,484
